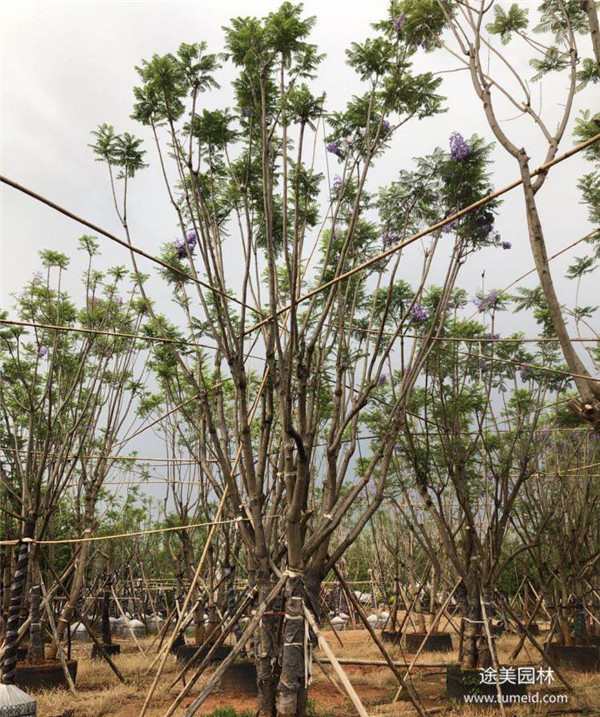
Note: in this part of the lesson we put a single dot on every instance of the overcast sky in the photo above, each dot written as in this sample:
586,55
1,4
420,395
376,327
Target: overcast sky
68,66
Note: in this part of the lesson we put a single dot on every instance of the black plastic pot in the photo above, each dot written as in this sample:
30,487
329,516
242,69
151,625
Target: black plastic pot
111,649
436,642
389,636
49,676
462,684
585,658
240,678
186,652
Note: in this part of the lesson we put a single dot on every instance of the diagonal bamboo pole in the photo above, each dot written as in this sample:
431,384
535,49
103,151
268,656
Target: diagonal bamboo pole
203,557
422,645
356,701
414,697
246,635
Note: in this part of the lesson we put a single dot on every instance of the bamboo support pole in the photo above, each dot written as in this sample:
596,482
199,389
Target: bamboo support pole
59,648
246,635
414,697
422,645
355,699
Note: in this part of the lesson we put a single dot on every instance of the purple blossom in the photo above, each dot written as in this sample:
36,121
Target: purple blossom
42,352
192,239
334,148
119,300
382,379
494,337
544,433
248,112
459,149
399,21
181,247
447,228
489,302
389,238
419,314
506,245
575,436
386,125
525,372
337,181
482,365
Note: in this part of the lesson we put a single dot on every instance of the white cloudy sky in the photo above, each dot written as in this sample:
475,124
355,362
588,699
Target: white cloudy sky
68,66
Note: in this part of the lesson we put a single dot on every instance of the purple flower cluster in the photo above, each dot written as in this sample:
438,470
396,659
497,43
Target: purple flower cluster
382,379
525,372
334,148
390,238
506,245
446,229
385,125
399,21
459,149
337,181
489,302
181,246
42,352
419,314
494,337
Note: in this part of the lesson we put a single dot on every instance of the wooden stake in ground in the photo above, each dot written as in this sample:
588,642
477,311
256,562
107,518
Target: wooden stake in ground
360,708
414,697
59,648
246,635
535,643
422,645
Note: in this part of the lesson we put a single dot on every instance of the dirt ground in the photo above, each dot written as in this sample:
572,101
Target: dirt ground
100,694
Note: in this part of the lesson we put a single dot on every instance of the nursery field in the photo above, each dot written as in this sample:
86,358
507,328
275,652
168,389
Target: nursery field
300,358
99,694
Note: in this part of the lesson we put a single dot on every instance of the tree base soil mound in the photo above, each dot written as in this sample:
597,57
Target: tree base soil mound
463,684
113,649
584,658
185,653
436,642
47,676
240,678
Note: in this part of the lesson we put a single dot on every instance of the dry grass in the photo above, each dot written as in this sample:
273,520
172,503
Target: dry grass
100,694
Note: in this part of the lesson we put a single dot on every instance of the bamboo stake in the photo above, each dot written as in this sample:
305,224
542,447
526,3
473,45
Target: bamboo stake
59,647
422,645
124,616
414,697
360,708
246,635
493,655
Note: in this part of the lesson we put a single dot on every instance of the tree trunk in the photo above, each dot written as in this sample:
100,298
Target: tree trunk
9,661
588,408
264,650
293,682
106,636
35,650
472,630
68,610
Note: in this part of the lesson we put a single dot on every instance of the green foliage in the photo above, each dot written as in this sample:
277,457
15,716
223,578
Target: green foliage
507,22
